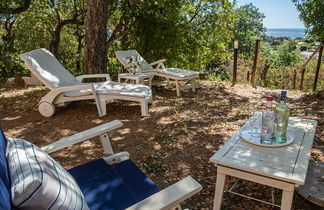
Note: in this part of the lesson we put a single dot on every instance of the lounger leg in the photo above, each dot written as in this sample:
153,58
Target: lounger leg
193,86
101,106
177,88
219,190
106,144
150,81
169,82
144,108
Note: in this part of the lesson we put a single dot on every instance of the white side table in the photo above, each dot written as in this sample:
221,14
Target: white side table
137,78
283,168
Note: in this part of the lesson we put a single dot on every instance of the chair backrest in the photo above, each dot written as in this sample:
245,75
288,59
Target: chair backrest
124,56
48,69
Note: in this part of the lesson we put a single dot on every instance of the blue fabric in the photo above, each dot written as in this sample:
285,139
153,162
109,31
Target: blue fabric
112,187
5,200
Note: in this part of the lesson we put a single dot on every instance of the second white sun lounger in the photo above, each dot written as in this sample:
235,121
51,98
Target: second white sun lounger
157,68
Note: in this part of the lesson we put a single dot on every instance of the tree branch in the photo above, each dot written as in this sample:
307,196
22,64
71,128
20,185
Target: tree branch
198,8
119,31
57,33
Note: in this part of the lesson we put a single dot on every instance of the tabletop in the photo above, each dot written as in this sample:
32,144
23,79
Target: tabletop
288,163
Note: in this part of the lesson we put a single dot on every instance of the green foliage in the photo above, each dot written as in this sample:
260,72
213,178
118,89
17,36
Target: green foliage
283,55
188,33
248,28
312,14
33,29
288,54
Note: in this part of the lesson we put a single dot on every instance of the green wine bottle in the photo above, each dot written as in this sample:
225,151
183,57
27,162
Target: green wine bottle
281,122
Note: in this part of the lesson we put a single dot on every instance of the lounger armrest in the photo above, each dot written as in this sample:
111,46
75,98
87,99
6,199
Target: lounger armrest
170,196
81,77
158,62
82,136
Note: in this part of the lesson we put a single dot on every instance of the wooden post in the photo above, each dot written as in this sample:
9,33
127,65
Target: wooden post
294,80
302,78
235,63
255,62
303,68
318,66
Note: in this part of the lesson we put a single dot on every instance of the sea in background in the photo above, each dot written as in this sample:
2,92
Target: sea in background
286,32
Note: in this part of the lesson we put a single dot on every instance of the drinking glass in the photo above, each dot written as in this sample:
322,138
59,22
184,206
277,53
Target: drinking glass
255,124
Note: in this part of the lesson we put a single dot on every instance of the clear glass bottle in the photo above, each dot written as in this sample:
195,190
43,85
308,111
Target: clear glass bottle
282,113
267,128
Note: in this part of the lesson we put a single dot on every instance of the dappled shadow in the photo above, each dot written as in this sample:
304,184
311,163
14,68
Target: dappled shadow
175,141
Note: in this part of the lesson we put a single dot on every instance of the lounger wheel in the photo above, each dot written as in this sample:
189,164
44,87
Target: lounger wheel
46,109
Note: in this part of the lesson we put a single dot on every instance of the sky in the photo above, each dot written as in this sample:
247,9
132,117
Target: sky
279,13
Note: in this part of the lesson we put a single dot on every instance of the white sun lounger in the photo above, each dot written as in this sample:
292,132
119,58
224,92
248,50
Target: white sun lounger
157,68
66,88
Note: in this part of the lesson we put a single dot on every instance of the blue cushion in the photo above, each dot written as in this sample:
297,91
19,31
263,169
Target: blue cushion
5,200
112,187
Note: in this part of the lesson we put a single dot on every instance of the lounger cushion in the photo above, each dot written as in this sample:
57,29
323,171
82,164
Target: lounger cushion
181,73
38,181
114,88
5,200
46,67
112,187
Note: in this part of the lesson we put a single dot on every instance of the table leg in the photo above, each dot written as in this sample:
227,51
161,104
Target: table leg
287,198
219,190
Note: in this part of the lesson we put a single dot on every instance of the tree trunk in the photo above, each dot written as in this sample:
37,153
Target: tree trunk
96,37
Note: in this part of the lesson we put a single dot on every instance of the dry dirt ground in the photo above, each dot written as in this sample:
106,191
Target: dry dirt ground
177,139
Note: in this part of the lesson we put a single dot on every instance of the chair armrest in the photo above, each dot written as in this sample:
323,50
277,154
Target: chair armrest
170,196
81,77
82,136
158,62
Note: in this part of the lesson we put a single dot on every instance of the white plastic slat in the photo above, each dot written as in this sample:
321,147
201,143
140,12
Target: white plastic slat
287,152
226,147
279,166
280,160
259,168
170,196
299,174
82,136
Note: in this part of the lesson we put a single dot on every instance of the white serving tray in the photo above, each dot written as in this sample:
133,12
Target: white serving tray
246,136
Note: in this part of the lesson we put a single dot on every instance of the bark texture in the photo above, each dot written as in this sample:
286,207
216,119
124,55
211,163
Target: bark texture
96,36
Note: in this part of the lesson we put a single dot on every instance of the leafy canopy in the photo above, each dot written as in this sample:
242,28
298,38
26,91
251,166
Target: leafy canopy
248,28
312,14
